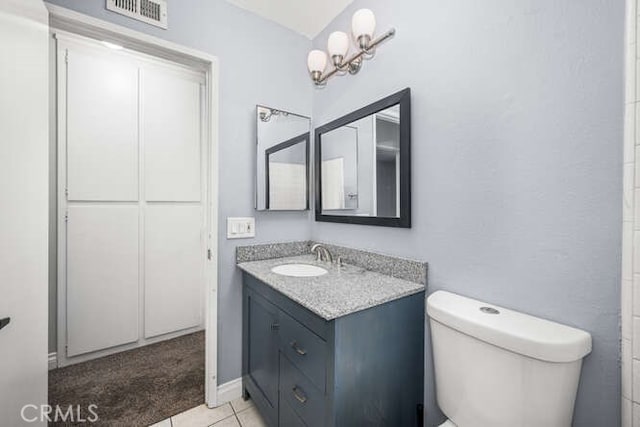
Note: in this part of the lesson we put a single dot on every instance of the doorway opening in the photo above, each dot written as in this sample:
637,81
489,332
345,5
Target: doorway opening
135,222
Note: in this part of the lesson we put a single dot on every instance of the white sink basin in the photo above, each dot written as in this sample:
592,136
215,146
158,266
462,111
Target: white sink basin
299,270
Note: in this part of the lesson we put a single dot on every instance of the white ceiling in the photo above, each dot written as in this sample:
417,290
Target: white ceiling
307,17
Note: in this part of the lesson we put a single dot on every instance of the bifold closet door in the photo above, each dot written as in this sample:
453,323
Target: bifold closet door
133,198
102,211
174,250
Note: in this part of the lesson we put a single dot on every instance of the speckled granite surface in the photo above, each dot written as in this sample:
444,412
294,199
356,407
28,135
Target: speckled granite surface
342,291
271,250
400,268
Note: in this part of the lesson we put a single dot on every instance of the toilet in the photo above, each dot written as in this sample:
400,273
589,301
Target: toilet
496,367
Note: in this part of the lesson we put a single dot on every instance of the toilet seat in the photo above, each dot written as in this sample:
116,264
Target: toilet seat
448,423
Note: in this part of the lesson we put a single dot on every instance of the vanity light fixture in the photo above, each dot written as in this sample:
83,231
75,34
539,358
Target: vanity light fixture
363,25
265,113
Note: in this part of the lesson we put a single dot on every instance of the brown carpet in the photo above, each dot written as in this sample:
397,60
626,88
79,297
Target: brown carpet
137,387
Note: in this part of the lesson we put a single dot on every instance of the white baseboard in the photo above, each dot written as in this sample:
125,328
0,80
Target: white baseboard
229,391
53,360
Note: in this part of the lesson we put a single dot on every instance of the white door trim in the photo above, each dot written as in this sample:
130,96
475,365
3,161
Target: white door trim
63,19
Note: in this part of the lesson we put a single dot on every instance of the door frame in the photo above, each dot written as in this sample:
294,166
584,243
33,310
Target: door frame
63,20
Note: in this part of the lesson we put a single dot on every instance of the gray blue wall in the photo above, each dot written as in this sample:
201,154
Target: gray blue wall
260,63
517,153
517,160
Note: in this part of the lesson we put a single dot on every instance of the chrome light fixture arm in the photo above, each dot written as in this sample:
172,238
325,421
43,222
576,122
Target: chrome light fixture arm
354,63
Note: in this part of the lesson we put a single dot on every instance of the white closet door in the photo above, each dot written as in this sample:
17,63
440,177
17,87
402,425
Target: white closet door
102,277
174,268
174,248
102,126
135,251
171,131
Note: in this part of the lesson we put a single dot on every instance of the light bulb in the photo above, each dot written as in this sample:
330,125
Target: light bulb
317,61
363,24
338,44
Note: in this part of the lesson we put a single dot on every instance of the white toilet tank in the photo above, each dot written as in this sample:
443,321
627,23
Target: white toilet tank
496,367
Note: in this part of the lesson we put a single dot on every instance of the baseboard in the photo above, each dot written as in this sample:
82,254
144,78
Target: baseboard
53,360
229,391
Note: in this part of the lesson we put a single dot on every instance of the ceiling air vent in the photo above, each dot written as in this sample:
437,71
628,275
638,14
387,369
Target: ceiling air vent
152,12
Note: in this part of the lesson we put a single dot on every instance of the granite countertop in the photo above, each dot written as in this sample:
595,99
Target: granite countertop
342,291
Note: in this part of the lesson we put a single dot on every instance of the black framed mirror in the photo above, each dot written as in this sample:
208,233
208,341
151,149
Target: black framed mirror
287,174
363,165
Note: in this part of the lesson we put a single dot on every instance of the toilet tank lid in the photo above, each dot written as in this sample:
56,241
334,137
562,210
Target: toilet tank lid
518,332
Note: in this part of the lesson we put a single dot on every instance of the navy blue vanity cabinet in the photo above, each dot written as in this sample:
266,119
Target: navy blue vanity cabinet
262,362
362,369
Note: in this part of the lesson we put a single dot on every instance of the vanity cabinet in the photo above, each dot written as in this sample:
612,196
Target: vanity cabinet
365,368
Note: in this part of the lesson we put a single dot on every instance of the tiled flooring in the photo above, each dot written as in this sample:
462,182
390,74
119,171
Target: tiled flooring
236,413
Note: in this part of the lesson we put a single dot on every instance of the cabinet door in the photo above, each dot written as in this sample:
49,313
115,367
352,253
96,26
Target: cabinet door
288,418
262,351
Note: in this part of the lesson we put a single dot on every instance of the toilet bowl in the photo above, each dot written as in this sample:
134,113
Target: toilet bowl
495,367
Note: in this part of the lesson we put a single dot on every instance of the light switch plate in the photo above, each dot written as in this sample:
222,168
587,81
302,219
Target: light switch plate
241,228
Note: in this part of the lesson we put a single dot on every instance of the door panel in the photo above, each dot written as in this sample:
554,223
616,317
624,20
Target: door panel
263,347
24,150
102,127
171,132
174,268
102,277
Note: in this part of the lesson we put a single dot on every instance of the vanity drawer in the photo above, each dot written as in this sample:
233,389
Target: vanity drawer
288,417
304,348
297,391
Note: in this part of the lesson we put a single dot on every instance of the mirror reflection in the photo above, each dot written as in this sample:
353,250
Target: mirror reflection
363,165
282,167
360,166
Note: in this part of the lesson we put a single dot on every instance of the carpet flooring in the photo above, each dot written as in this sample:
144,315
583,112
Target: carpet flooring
137,387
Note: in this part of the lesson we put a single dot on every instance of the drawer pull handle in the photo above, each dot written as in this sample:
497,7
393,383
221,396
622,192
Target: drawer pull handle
275,326
297,393
298,350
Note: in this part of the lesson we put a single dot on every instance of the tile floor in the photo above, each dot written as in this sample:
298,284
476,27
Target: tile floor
236,413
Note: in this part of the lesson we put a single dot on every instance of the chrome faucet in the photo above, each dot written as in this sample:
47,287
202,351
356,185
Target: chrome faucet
322,253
